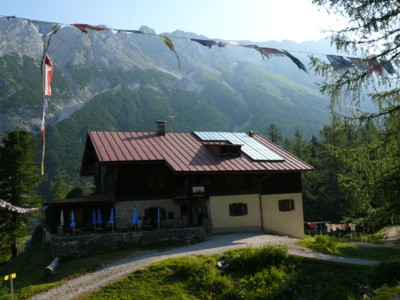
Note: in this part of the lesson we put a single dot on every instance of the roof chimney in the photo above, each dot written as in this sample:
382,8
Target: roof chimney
251,133
160,127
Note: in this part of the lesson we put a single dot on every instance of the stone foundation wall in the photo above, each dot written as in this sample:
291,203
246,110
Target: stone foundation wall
124,210
96,243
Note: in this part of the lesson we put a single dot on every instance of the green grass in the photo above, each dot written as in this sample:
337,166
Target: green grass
250,273
329,245
259,273
29,267
379,254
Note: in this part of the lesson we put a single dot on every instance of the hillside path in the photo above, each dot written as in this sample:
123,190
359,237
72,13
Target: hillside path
215,244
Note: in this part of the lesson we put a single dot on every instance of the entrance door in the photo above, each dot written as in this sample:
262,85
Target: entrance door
186,215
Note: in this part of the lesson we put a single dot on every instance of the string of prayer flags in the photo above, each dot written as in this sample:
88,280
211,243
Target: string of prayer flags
85,27
339,62
10,207
209,43
369,65
44,28
171,47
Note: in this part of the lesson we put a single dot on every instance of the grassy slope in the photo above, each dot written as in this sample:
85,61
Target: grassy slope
329,245
29,267
199,278
250,275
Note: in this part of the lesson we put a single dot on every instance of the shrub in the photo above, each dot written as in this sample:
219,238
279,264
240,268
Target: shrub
230,294
254,258
321,243
387,272
203,274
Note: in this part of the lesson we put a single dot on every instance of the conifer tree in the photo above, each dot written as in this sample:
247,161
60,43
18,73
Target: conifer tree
19,175
274,134
373,34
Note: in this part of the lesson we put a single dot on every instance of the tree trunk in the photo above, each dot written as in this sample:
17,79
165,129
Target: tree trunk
14,248
13,237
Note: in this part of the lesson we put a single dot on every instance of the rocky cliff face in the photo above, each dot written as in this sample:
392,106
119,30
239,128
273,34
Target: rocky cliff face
88,65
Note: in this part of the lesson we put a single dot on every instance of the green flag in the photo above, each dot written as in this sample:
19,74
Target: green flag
171,47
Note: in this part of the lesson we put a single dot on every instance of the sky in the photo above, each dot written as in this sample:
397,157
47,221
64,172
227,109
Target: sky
252,20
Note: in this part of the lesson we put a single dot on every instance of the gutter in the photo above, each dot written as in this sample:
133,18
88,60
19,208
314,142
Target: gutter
260,201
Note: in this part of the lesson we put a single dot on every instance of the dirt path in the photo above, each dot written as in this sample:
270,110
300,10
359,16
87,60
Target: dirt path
214,244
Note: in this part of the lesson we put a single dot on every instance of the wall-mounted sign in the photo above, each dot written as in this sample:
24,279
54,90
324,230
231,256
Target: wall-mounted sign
198,190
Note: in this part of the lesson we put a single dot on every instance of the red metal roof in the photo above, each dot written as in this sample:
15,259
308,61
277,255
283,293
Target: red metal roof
185,153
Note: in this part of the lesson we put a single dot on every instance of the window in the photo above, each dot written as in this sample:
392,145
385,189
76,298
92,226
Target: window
286,204
230,150
235,180
156,182
237,209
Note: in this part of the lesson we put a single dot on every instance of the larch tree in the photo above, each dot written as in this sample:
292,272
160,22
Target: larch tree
19,175
372,37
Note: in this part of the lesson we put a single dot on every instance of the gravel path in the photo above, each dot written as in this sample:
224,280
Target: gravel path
214,244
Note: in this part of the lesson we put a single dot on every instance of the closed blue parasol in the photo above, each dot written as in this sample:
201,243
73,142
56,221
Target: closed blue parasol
135,219
112,216
112,219
94,217
73,224
99,220
158,217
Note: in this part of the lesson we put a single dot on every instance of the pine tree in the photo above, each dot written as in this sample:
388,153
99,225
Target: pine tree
300,148
19,175
60,188
274,134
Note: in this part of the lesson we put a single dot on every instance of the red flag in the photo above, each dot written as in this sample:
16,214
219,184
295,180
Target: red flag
84,27
48,75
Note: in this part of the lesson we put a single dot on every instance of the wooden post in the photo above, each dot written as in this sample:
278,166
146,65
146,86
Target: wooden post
11,277
12,288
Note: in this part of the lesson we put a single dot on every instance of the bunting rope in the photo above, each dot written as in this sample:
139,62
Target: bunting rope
20,210
339,63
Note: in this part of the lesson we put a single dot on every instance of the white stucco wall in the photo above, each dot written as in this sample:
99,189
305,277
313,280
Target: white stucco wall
220,212
289,223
